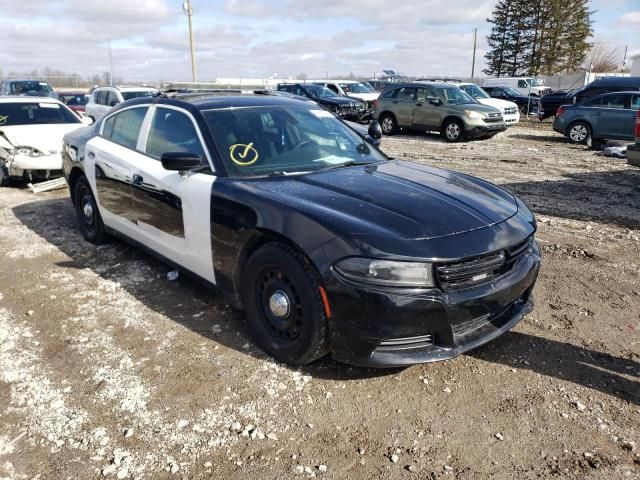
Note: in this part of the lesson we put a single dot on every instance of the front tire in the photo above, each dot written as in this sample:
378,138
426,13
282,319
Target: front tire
89,218
284,309
453,130
388,123
5,180
579,132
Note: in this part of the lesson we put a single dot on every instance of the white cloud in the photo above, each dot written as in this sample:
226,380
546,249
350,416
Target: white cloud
631,18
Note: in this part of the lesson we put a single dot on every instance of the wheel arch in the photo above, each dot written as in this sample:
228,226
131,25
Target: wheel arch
257,238
452,117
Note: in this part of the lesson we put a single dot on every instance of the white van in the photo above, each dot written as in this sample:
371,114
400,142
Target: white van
524,85
103,99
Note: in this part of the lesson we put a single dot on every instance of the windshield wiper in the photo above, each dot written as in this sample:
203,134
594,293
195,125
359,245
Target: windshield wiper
277,173
350,163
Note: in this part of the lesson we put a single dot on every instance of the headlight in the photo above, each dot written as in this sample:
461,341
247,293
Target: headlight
387,272
472,114
28,152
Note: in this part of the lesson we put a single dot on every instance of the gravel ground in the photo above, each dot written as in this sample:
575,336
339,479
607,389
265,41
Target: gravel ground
107,369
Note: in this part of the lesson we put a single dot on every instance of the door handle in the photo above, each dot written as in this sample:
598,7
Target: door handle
91,155
137,179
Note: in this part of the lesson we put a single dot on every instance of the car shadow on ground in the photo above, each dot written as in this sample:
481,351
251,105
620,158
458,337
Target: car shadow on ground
615,376
610,197
539,138
183,301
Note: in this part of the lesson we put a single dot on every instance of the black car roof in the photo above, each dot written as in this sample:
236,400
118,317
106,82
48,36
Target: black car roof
209,101
616,82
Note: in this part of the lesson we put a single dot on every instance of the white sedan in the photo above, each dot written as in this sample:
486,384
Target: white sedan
31,131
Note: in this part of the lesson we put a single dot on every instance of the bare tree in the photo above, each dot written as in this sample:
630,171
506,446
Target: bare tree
603,58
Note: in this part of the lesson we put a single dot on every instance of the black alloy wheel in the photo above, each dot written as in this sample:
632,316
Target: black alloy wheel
284,308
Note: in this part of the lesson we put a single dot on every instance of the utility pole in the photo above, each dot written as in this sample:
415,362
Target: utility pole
624,59
473,62
110,65
189,11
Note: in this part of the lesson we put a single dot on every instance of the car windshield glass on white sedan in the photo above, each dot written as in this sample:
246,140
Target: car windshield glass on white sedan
475,91
138,94
36,113
455,96
355,88
281,140
319,91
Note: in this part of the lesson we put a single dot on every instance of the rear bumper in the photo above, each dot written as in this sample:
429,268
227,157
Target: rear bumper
387,327
633,154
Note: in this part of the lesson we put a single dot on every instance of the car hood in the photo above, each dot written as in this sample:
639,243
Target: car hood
337,100
46,138
393,199
367,97
497,103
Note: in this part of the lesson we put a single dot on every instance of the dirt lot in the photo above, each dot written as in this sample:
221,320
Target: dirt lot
109,369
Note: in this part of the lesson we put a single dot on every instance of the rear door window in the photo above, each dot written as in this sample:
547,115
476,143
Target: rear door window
406,94
618,102
112,99
125,127
523,84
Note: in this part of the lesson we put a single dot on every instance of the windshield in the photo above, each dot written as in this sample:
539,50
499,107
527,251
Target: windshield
475,91
30,87
138,94
454,96
319,91
511,91
355,88
35,114
74,99
280,140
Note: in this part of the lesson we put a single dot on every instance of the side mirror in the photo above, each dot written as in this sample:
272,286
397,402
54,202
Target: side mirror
375,130
113,103
87,120
435,101
180,161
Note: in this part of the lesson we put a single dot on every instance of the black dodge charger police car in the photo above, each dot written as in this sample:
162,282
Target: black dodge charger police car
327,244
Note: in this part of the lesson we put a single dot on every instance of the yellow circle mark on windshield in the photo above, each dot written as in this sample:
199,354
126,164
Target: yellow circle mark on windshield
243,154
3,119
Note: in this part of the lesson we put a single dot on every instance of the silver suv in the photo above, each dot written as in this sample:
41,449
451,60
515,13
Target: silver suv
104,99
436,106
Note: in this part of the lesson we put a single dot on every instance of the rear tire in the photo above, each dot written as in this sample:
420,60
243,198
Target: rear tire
388,124
579,132
284,309
89,218
453,130
5,180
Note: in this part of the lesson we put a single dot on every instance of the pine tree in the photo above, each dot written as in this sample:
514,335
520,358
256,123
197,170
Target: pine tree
531,37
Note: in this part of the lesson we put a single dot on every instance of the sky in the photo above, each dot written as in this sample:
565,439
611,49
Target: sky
261,39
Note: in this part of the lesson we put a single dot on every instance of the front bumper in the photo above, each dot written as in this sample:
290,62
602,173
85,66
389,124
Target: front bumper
633,154
387,327
479,131
44,162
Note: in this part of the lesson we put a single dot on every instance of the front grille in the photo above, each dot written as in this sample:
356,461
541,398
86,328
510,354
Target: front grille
510,110
353,107
480,270
406,343
493,117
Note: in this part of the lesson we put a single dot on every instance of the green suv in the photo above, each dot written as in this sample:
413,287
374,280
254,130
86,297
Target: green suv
436,106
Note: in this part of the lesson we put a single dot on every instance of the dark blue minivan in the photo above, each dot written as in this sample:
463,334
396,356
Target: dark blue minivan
611,116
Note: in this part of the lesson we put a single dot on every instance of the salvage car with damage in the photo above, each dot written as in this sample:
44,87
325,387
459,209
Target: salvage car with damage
327,244
31,131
